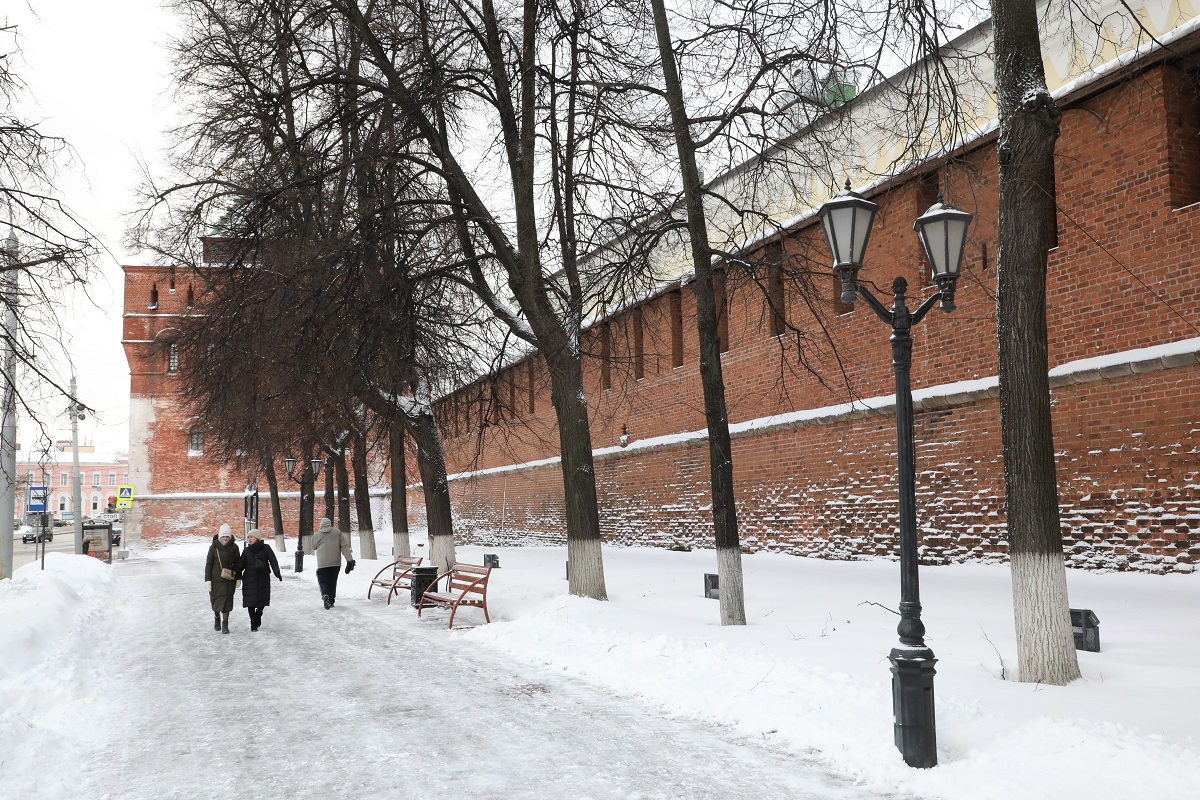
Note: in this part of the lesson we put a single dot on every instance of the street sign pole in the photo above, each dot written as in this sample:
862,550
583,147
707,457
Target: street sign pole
76,412
8,410
125,500
124,497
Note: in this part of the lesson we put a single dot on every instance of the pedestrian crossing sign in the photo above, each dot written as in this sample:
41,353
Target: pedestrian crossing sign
124,497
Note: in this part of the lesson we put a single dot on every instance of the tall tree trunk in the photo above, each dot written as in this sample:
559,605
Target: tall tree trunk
556,338
436,487
330,501
720,449
1029,127
362,499
399,499
276,511
586,577
343,491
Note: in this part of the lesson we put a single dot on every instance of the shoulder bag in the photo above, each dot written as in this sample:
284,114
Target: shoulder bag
226,572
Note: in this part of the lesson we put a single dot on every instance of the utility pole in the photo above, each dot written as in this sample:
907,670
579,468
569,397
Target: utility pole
76,412
8,406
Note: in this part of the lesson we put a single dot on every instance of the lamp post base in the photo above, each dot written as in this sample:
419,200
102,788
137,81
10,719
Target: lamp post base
299,560
912,705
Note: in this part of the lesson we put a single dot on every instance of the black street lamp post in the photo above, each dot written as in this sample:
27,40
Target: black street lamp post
847,220
306,496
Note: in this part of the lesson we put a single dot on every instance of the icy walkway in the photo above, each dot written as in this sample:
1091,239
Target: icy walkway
364,701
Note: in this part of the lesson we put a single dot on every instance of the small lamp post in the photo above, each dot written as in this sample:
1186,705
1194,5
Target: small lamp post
289,465
250,507
942,230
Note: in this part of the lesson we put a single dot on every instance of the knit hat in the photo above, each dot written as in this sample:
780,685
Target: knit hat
225,531
254,534
325,525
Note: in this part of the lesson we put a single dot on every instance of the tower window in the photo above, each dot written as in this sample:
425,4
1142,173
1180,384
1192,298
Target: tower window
639,353
605,357
196,441
1052,215
532,392
675,299
776,298
721,303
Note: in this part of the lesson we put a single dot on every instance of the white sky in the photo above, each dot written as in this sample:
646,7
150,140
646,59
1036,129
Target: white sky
97,75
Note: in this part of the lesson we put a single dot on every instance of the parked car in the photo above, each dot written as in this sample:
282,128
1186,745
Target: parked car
32,535
65,519
115,533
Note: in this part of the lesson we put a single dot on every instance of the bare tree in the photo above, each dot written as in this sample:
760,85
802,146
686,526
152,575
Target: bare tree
399,498
268,467
47,248
558,131
330,250
720,449
1029,128
362,496
773,66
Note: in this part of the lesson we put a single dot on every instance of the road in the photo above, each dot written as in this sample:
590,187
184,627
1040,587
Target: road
64,542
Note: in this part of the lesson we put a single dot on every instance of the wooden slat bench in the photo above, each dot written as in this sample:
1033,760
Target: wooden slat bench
398,576
466,585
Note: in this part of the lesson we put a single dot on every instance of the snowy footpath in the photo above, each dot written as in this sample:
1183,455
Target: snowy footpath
113,684
343,703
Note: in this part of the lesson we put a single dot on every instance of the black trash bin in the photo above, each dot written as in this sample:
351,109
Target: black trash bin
1086,627
422,579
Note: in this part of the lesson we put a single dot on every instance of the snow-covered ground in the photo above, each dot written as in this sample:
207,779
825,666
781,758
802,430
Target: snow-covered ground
113,684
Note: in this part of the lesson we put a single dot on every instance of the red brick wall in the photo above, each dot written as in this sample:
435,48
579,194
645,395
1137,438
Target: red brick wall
1129,484
162,519
1121,278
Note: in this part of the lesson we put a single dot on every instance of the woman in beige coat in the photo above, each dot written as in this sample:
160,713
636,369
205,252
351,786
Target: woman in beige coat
330,545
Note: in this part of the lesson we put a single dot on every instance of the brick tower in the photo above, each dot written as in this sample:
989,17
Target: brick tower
176,488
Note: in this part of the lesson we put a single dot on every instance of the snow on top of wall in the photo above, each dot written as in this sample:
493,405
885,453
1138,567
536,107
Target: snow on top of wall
197,496
1126,357
933,396
262,492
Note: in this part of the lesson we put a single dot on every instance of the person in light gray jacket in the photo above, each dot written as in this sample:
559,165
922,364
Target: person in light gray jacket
330,545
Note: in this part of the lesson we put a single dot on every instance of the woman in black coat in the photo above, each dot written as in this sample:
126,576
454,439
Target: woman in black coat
257,564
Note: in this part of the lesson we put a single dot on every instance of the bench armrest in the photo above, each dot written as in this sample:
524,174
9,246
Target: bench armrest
449,591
